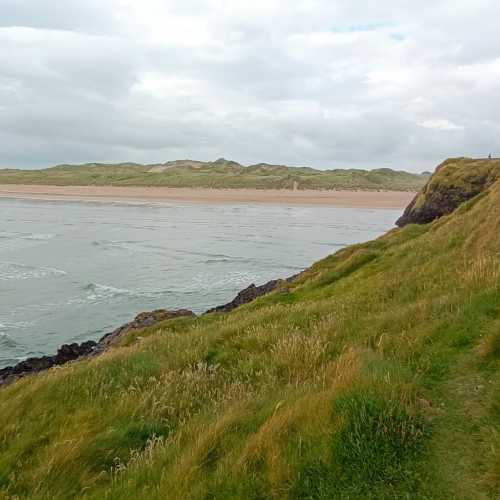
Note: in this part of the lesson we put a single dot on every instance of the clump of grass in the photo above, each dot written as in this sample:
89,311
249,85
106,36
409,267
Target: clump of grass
377,437
375,444
489,346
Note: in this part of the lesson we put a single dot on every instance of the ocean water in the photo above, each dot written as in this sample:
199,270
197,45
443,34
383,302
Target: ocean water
73,271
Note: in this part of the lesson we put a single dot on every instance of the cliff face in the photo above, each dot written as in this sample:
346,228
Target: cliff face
455,181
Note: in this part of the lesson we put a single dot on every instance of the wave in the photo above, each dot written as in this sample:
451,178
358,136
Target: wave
39,236
230,280
143,247
15,271
222,260
129,245
100,292
5,235
209,255
219,261
15,324
97,291
7,342
107,243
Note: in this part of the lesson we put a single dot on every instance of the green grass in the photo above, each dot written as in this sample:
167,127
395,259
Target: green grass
220,174
375,375
463,175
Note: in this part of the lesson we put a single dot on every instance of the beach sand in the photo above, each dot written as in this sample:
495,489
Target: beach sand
348,199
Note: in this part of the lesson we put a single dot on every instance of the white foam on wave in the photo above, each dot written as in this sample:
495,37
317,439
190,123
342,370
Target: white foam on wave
96,291
232,279
118,244
15,271
26,236
39,236
6,325
93,293
6,341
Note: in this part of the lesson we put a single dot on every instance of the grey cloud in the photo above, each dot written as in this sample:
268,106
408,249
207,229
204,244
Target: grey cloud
317,82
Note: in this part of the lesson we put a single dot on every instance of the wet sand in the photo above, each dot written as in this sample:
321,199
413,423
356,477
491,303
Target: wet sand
348,199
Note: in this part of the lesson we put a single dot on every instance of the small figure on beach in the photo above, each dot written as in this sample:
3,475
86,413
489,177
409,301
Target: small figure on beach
489,156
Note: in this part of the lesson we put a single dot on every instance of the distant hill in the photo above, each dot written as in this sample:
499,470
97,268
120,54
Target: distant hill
219,174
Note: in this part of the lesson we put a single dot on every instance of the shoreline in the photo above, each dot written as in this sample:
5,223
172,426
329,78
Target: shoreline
68,353
110,194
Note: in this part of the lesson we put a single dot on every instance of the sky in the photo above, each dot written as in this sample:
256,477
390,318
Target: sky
320,83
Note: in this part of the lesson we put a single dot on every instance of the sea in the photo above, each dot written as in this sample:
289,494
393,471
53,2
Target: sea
72,271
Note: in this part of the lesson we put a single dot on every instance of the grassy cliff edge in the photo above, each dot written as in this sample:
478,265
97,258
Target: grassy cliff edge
376,374
455,181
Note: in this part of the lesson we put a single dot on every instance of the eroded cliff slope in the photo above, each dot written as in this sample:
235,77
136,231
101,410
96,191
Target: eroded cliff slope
455,181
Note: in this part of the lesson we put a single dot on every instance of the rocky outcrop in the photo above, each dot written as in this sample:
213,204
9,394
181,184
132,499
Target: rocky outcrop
253,292
73,352
65,354
436,204
247,295
455,181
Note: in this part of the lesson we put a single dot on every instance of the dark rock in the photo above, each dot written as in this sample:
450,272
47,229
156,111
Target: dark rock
247,295
455,181
66,353
251,293
436,204
72,352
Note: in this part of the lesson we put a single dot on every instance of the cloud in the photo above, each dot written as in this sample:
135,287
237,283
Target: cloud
441,124
323,83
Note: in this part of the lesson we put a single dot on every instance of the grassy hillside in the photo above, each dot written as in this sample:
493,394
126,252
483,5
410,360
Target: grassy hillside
456,180
375,375
218,174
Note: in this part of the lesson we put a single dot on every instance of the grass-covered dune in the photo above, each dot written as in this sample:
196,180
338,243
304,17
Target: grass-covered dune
220,174
375,375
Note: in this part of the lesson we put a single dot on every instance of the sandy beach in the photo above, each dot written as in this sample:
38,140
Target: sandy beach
348,199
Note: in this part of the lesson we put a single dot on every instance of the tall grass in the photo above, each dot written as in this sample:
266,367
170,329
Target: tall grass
376,375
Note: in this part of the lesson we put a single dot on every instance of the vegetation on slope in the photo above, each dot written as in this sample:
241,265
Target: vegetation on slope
219,174
375,375
456,180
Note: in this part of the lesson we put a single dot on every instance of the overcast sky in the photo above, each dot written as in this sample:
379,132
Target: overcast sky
322,83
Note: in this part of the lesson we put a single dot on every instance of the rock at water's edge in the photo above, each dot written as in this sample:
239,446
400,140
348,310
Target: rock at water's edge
247,295
66,353
72,352
253,292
